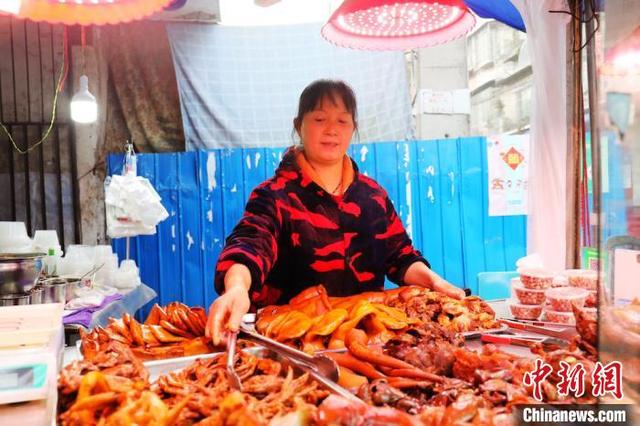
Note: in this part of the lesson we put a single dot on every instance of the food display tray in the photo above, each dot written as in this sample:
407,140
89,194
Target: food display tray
158,368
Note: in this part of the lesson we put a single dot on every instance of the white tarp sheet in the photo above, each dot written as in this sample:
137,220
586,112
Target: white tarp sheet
546,38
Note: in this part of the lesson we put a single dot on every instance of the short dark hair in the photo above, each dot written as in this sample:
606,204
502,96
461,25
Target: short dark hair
315,92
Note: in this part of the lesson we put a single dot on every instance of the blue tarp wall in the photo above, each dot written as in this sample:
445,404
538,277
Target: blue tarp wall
438,188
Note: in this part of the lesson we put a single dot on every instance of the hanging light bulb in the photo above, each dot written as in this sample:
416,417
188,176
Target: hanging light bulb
84,108
10,6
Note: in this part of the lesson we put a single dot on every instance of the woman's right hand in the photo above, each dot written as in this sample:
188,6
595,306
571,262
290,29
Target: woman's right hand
225,313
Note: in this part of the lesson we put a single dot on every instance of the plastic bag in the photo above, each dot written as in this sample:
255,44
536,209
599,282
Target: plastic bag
133,206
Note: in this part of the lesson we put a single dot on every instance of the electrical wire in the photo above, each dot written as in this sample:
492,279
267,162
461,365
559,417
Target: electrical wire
577,17
64,68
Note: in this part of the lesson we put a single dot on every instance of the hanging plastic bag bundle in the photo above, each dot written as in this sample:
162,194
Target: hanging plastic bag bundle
133,206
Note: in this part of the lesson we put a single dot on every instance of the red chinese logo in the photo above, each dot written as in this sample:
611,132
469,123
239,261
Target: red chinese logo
536,377
571,379
607,379
513,158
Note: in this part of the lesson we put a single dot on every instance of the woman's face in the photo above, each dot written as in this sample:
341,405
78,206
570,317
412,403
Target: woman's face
326,132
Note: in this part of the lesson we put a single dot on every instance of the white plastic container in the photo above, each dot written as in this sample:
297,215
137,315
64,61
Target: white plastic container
75,263
82,250
45,239
526,312
559,317
536,278
582,278
14,238
563,298
528,296
560,281
13,232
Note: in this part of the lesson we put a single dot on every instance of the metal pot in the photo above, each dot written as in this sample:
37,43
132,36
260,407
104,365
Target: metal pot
36,295
19,272
54,290
14,299
73,284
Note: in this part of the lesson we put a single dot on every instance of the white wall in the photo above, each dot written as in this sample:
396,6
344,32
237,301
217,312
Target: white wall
442,68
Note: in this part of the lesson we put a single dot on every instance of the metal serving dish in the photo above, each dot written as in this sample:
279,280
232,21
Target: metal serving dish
19,272
14,299
54,290
162,367
36,295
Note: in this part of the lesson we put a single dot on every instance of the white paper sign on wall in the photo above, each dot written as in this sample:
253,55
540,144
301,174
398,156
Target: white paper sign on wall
445,101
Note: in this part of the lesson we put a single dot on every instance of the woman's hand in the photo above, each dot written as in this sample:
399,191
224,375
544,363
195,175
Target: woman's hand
225,313
443,286
419,274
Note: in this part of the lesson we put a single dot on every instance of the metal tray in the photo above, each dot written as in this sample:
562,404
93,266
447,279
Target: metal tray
158,368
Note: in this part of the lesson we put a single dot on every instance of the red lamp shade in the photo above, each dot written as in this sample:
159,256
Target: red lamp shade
89,12
397,24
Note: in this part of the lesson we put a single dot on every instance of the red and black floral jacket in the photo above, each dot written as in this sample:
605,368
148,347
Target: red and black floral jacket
294,235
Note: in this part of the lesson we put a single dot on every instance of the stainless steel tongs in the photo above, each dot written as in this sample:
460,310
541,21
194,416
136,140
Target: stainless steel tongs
322,368
232,376
566,332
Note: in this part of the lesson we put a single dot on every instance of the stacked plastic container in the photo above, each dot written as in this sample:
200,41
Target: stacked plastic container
541,294
14,238
586,279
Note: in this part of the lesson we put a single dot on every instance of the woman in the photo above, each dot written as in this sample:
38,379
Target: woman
316,221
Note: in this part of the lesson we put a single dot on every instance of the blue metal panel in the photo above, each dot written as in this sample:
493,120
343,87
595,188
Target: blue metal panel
364,156
254,166
385,173
430,200
515,239
472,213
192,247
274,156
215,207
148,244
169,241
386,168
206,224
232,188
406,174
416,196
492,229
205,193
450,209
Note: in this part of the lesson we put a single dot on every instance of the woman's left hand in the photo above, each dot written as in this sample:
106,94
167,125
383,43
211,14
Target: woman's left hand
419,274
443,286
